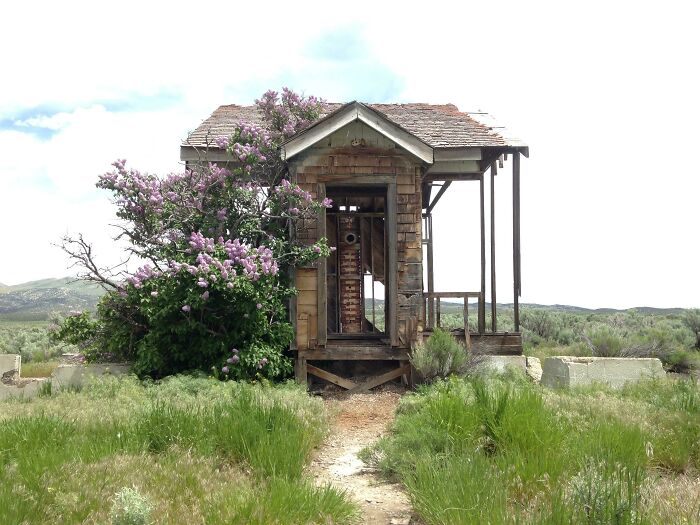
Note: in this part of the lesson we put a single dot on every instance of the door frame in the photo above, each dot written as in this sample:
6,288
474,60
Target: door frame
391,308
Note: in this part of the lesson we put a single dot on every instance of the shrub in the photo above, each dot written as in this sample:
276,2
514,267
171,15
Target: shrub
440,356
130,507
691,319
217,247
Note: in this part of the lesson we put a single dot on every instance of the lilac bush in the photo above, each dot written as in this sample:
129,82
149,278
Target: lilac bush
215,248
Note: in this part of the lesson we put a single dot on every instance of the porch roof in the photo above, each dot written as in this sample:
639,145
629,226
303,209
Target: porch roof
440,126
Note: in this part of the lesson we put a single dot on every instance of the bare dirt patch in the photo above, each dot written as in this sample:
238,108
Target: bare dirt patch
359,420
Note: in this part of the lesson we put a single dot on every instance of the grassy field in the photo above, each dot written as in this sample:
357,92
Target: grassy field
197,450
504,451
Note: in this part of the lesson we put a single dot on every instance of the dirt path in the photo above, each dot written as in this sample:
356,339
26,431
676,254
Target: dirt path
360,419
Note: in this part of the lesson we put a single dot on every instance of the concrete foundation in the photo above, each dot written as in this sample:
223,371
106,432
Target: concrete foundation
65,376
568,371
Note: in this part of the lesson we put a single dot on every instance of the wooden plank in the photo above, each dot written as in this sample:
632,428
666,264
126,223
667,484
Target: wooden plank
354,353
431,276
306,280
456,166
322,286
381,379
482,246
516,240
453,295
457,154
391,258
331,378
437,197
437,177
494,317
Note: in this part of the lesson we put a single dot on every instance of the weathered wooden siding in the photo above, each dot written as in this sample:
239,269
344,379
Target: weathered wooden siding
357,155
307,308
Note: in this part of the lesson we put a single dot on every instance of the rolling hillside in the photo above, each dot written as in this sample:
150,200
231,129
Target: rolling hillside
36,300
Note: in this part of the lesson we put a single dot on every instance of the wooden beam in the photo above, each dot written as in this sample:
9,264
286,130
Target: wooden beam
516,240
392,269
438,195
354,353
431,276
331,378
457,154
437,177
454,166
322,288
494,320
482,227
380,380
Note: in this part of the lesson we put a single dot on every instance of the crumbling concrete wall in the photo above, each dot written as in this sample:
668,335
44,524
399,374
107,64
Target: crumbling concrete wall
568,371
65,376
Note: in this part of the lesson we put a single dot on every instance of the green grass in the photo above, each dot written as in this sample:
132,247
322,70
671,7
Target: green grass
505,451
38,368
201,451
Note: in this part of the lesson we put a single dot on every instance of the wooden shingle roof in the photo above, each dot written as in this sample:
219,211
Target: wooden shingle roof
438,125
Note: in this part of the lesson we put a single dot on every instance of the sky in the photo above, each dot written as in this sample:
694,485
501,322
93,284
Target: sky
604,93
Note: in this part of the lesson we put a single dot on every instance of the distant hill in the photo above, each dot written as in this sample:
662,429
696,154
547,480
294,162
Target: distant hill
36,300
455,305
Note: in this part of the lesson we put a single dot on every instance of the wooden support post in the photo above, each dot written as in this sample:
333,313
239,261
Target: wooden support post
431,278
516,240
467,336
494,320
300,371
322,288
392,268
482,224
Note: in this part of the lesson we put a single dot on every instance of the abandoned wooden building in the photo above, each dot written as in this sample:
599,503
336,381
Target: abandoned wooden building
385,166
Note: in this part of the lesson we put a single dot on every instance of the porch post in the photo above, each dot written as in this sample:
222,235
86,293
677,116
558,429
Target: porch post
516,239
322,284
494,320
482,225
431,278
392,319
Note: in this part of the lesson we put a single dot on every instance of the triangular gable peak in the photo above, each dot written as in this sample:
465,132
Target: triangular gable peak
357,112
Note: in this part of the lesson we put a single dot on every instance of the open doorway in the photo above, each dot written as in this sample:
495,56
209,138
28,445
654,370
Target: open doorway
356,272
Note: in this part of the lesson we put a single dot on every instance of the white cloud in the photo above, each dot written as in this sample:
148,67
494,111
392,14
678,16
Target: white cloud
603,92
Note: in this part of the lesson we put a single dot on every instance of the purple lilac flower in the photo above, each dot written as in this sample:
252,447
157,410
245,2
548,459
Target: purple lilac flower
154,294
235,359
234,350
205,295
258,306
225,370
186,308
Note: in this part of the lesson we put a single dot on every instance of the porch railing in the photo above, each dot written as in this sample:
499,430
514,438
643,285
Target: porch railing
431,309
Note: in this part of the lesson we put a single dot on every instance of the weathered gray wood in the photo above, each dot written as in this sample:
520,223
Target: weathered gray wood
494,320
431,277
516,240
457,154
322,289
392,314
380,380
300,370
354,353
373,119
465,310
437,177
457,166
482,246
454,295
331,378
438,195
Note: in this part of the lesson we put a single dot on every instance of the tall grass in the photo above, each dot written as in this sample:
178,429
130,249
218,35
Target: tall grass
254,440
499,451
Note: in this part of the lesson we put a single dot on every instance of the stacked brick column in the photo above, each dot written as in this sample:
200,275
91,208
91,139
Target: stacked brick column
350,276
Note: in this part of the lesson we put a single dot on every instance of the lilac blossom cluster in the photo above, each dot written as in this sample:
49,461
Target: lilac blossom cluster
289,113
214,260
